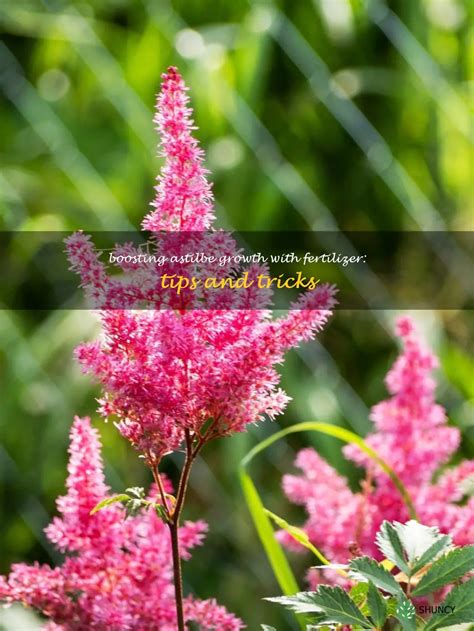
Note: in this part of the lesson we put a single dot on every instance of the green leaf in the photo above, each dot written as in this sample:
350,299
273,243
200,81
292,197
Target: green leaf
108,501
370,570
265,627
303,602
332,604
138,492
339,607
406,614
392,605
358,593
417,539
448,568
377,606
391,547
461,599
431,553
264,528
299,535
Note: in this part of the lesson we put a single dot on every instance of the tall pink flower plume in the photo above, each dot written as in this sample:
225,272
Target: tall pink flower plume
411,434
183,195
117,574
209,368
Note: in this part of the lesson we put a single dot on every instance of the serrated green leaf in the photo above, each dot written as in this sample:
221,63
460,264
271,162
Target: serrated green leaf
448,568
138,492
303,602
406,614
416,538
431,553
389,544
370,570
377,606
339,607
108,501
461,598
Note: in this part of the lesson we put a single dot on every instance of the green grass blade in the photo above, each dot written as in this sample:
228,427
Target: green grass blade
346,436
272,547
275,554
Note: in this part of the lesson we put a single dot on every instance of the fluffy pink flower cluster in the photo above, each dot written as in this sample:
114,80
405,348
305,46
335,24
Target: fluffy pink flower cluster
412,436
209,371
117,574
183,195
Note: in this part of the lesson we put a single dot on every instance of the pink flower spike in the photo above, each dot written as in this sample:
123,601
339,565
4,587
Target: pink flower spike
183,196
117,574
411,434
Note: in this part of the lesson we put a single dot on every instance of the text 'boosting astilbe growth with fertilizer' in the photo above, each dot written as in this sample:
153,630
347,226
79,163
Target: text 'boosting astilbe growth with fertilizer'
412,436
117,574
176,375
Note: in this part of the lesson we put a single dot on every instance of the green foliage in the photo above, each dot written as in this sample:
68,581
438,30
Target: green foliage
264,528
367,605
461,602
368,569
447,569
133,501
411,546
298,535
431,553
260,515
108,501
331,604
358,593
303,602
391,546
338,607
377,605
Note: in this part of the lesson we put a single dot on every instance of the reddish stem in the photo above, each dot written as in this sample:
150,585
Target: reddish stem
173,524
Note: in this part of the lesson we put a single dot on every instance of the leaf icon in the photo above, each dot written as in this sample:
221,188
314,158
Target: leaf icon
406,610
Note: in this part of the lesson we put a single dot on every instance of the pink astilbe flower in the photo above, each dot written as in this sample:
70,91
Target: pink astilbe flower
199,362
117,574
183,195
182,365
412,436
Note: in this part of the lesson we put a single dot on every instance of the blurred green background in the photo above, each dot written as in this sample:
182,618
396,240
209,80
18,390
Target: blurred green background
318,114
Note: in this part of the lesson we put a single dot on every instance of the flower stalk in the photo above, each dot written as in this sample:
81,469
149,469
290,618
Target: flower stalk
173,516
193,367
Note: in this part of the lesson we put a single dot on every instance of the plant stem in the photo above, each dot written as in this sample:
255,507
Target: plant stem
159,484
177,575
173,524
